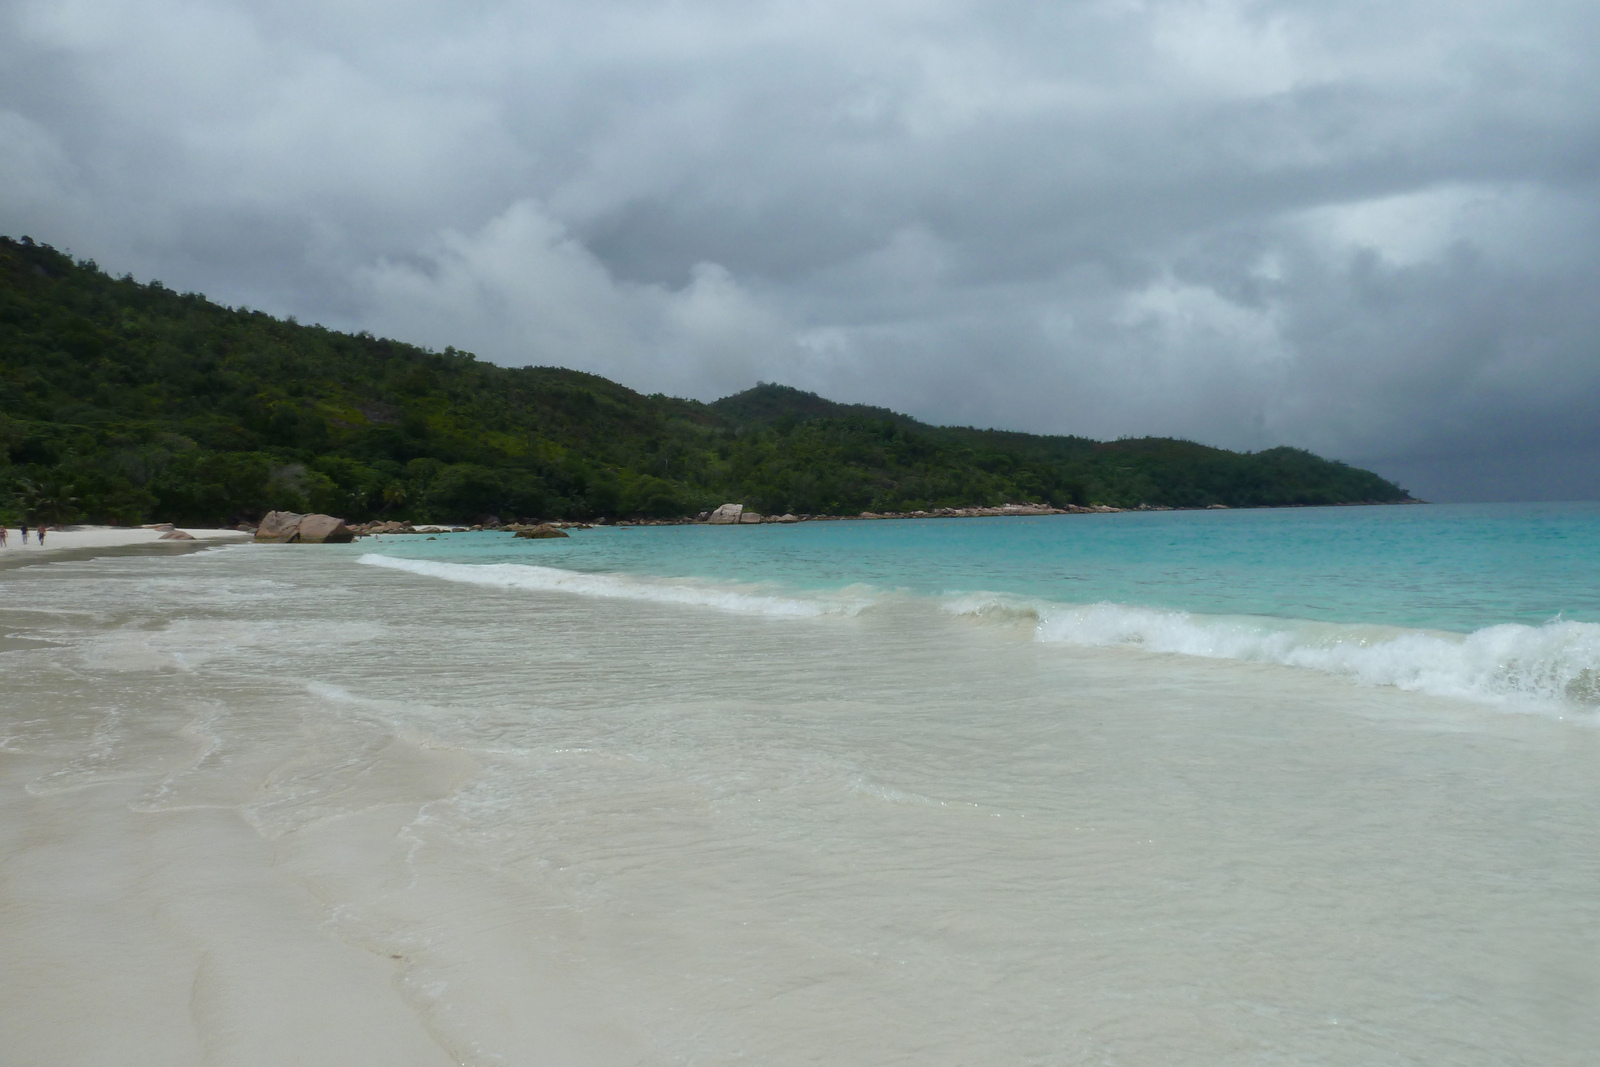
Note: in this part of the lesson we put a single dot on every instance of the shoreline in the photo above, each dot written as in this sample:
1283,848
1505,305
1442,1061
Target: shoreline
977,512
743,517
84,542
87,541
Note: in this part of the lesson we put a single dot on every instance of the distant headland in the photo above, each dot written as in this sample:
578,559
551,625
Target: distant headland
128,403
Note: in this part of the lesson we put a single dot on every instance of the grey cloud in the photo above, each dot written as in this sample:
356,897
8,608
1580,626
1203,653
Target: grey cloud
1365,228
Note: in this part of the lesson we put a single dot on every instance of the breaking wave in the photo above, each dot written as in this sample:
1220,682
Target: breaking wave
1557,662
743,599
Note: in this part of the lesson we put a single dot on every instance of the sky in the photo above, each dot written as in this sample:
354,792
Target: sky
1370,229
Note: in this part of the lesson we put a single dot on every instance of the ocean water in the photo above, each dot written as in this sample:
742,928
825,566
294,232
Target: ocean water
1291,787
1489,602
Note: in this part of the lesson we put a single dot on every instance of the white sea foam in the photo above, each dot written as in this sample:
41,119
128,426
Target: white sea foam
742,599
1557,662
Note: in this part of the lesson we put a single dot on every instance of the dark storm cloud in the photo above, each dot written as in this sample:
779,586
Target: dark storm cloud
1370,229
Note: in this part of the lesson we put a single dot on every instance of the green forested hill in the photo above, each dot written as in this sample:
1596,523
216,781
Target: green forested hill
123,402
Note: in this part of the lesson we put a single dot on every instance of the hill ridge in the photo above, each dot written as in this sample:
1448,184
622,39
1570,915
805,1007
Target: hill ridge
129,402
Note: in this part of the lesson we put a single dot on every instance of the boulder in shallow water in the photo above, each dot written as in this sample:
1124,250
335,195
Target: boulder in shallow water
726,515
380,527
287,527
325,530
176,535
541,531
279,527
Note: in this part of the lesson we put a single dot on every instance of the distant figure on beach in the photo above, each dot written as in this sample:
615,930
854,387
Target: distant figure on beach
2,535
24,533
41,535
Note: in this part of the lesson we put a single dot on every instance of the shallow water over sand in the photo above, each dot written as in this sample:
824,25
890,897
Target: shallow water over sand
268,805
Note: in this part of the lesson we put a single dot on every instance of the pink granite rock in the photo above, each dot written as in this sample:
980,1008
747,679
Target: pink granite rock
324,530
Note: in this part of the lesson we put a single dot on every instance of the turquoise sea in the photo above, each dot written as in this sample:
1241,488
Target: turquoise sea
1492,601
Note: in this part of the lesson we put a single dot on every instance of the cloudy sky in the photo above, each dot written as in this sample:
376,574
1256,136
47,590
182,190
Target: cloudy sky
1367,228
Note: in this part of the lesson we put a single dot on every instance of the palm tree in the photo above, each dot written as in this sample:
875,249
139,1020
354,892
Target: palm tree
49,500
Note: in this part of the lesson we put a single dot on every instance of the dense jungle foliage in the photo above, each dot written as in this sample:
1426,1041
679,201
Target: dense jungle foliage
125,402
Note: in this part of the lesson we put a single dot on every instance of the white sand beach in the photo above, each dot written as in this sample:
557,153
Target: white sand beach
77,538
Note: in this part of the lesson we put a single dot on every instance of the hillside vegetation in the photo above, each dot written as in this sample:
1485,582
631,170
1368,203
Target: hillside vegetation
127,402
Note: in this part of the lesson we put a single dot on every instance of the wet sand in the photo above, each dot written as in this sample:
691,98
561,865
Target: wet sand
87,542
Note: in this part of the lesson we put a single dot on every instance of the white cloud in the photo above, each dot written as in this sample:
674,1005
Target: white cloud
35,170
523,289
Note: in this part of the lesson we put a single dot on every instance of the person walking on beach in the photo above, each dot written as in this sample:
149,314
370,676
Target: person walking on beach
2,535
24,533
40,532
